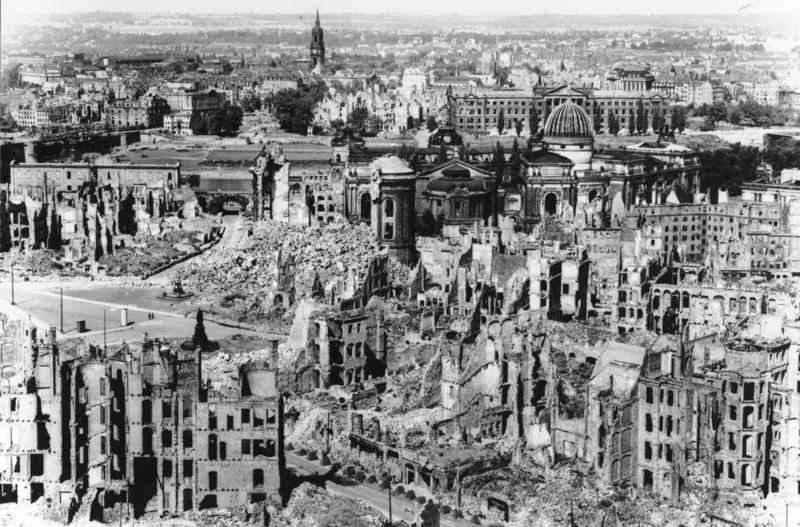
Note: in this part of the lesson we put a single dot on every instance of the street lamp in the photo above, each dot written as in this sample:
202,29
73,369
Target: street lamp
12,284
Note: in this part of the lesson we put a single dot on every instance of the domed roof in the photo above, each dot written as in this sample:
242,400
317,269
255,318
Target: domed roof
457,179
568,120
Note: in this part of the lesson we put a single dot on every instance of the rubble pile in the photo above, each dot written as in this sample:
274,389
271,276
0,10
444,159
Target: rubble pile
252,270
311,506
37,262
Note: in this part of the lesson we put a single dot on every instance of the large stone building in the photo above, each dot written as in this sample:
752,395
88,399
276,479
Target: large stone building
140,425
477,112
146,112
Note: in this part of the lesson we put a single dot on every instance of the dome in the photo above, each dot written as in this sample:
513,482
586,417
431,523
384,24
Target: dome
455,179
568,120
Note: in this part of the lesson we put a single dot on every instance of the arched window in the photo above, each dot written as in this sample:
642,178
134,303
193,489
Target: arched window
388,208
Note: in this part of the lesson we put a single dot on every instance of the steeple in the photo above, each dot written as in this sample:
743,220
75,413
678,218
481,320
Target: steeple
317,45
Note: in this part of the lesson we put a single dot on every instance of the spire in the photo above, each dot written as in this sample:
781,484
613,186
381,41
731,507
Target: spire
317,20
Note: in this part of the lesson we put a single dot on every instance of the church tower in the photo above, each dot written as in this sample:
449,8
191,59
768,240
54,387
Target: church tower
317,46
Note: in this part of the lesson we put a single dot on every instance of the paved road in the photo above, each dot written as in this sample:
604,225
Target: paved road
376,499
42,303
101,303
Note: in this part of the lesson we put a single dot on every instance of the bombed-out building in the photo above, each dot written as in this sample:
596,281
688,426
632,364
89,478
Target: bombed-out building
139,427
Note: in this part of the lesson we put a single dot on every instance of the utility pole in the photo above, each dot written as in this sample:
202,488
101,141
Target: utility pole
62,310
104,331
390,501
12,284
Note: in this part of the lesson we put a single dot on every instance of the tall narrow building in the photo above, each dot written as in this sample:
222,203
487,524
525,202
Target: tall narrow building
317,46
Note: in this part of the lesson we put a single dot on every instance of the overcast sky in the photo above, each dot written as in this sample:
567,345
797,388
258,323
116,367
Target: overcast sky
466,7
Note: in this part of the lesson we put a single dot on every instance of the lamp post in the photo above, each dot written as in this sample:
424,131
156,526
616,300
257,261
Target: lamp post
12,284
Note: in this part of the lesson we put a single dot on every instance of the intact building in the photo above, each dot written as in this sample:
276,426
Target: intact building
317,46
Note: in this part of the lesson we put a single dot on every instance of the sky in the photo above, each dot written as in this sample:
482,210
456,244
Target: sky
466,7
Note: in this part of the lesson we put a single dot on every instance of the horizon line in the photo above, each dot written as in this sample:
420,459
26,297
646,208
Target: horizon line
398,13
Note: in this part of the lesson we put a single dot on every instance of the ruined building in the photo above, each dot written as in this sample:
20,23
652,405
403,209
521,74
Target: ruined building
140,428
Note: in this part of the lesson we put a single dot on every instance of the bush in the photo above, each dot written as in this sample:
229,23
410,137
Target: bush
399,490
372,479
411,495
302,452
325,461
360,477
385,484
475,520
289,447
458,514
349,471
312,456
421,500
446,509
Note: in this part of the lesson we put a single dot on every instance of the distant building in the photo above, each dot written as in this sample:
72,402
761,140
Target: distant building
317,46
40,116
147,112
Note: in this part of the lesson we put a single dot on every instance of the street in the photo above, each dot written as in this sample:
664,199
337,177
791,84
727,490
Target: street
371,496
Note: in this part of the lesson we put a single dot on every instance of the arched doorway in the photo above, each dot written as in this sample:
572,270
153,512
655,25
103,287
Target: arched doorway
592,195
550,204
366,207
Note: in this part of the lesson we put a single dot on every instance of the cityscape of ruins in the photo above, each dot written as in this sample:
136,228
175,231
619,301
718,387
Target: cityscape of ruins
362,269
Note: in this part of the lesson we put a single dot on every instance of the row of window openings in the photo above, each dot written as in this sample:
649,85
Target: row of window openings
219,449
270,416
188,471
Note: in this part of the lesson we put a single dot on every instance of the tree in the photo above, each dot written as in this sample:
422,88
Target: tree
231,119
214,122
294,108
678,118
501,121
632,123
409,123
11,78
251,103
613,123
782,154
533,121
197,123
518,126
200,340
358,118
598,119
431,124
728,168
734,115
641,117
656,121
